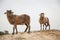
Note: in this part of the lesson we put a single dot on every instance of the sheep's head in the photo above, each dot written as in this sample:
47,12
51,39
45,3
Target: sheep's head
42,15
9,12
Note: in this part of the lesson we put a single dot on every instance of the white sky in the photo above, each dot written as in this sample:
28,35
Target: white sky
51,8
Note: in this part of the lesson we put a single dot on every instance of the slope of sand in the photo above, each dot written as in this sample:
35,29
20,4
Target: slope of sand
37,35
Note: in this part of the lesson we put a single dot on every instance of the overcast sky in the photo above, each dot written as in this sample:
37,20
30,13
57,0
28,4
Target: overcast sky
51,8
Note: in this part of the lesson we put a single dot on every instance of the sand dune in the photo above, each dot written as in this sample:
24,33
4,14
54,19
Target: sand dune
37,35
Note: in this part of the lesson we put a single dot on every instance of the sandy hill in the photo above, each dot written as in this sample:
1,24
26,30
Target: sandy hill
37,35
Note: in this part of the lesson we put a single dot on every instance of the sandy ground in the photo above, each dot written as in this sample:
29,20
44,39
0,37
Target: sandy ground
37,35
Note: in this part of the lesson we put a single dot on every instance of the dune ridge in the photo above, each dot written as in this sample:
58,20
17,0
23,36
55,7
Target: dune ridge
36,35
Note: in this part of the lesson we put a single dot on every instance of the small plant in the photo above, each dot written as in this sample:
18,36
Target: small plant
6,32
1,33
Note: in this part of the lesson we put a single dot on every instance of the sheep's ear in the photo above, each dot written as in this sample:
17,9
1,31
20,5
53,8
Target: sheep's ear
5,13
7,10
12,12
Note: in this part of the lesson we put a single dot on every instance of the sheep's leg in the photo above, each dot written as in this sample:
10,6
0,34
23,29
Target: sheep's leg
15,27
26,28
13,30
49,27
41,27
49,24
16,30
29,29
45,27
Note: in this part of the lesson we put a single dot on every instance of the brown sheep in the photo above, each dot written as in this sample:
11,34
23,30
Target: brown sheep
18,20
44,21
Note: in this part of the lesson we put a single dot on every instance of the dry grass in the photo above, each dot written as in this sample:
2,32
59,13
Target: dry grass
37,35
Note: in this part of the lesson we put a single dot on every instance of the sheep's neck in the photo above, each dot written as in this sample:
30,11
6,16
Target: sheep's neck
10,19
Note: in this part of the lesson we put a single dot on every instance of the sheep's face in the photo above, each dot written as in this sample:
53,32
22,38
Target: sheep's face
42,15
9,12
